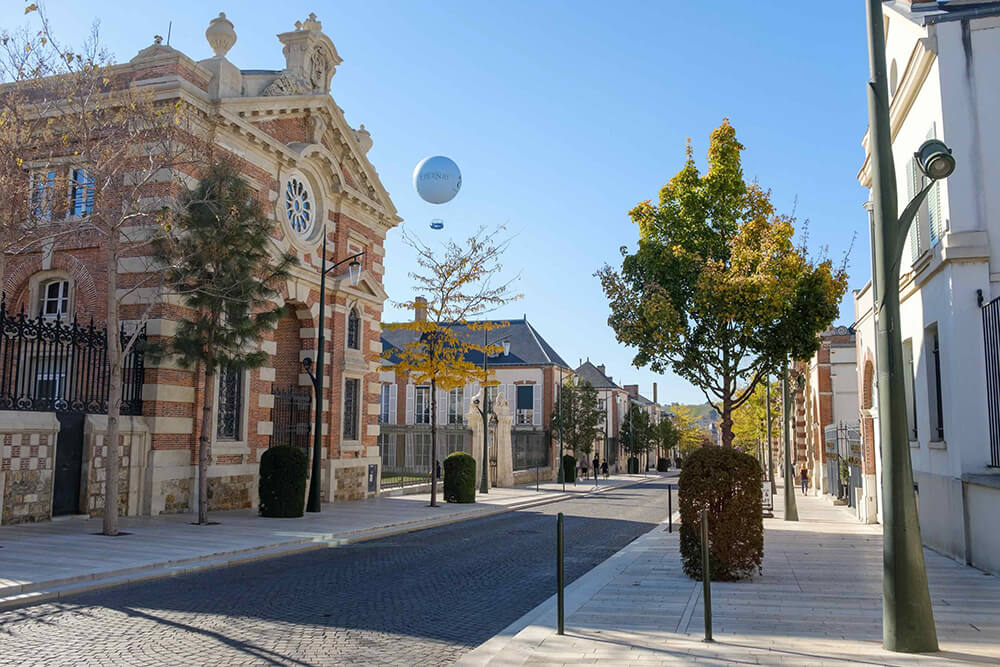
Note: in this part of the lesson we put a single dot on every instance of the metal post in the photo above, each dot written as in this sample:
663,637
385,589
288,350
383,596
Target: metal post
314,504
561,602
670,508
791,509
561,478
706,577
484,482
907,617
770,442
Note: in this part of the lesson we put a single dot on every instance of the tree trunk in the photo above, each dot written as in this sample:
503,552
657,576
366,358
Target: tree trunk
204,442
111,436
434,443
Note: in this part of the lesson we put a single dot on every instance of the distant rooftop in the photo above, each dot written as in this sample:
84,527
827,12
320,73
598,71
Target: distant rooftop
926,12
595,375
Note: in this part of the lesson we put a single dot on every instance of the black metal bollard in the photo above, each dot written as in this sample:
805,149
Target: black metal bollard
559,570
706,577
670,508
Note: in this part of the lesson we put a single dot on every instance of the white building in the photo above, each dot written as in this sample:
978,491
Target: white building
942,59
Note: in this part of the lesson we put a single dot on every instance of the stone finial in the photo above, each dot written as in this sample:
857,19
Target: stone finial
364,138
220,34
310,24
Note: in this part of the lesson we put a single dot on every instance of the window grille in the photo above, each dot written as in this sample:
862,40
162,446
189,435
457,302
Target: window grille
351,387
230,410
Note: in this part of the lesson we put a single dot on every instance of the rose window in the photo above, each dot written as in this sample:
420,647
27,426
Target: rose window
299,205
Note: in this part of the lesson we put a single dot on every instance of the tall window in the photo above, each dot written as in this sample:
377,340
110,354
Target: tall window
351,392
491,395
384,404
525,403
43,185
230,411
455,399
353,330
81,193
934,393
908,387
422,405
54,299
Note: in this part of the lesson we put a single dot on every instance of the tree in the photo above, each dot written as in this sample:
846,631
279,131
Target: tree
636,433
750,419
716,291
667,435
220,258
690,436
578,416
460,283
125,151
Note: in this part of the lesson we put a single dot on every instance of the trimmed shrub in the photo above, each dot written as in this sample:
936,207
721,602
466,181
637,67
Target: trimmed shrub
569,468
728,483
282,485
633,465
662,464
459,478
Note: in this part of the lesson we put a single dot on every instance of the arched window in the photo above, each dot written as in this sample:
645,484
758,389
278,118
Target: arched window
54,298
353,330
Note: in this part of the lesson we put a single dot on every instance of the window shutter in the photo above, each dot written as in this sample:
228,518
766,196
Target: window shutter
442,406
469,392
934,218
536,413
392,404
409,403
912,187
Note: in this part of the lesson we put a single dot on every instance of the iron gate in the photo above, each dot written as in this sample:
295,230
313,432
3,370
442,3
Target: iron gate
843,465
991,336
292,418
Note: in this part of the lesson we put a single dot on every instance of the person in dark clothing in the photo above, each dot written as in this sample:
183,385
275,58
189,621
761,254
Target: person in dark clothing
437,470
604,468
597,466
804,478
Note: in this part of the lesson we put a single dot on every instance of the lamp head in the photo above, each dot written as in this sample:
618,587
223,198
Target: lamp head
475,402
354,270
307,363
935,159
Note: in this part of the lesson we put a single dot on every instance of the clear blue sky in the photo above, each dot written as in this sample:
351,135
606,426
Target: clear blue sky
563,115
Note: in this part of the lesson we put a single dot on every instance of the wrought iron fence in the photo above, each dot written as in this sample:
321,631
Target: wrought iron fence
531,449
47,365
406,452
843,465
291,417
991,336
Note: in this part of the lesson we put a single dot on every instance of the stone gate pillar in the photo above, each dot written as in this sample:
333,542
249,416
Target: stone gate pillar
475,421
505,452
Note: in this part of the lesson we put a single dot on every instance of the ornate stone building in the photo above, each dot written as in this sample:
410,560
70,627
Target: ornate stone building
310,169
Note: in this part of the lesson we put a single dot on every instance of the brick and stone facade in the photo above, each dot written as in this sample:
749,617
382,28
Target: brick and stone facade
284,131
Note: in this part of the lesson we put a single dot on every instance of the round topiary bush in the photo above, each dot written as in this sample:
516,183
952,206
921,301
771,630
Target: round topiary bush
282,485
569,468
662,464
728,483
459,478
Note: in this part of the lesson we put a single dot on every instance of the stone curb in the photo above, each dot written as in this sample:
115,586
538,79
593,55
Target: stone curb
25,594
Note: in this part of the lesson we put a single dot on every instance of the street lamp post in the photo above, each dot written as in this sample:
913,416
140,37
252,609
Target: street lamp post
354,269
770,462
561,476
907,617
791,509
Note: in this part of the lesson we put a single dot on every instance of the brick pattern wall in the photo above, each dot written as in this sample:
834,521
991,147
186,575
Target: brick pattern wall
97,472
26,464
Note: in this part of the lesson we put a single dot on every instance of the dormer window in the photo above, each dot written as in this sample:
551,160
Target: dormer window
54,302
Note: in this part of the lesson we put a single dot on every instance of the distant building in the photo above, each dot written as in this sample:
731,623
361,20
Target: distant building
614,402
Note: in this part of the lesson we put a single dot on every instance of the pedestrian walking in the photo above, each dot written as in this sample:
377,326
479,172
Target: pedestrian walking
437,470
604,468
597,465
804,478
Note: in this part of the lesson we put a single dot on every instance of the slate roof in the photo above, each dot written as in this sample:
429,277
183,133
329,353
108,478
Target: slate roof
594,376
527,347
945,11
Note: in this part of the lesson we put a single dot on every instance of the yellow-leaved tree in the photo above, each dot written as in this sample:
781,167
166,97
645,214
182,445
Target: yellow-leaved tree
453,286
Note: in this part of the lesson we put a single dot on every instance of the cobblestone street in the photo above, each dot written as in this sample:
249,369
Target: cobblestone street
421,598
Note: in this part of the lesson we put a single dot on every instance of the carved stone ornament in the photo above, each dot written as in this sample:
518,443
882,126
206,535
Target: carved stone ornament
220,34
287,84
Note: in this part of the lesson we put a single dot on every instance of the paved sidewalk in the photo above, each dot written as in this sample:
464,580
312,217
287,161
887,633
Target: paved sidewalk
54,559
818,602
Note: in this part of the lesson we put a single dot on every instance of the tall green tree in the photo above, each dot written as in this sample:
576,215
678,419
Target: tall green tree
636,432
750,419
690,436
716,291
667,435
220,259
578,416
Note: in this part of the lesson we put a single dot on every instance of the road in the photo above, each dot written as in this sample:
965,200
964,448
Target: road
422,598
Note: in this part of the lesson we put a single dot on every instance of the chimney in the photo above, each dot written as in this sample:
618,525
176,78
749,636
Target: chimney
632,389
601,368
420,309
654,394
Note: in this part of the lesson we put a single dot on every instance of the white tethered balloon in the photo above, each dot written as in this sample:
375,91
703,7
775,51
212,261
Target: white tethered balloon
437,179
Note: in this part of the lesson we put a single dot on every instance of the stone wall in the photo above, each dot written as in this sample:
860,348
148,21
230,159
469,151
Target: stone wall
231,492
351,483
27,456
133,449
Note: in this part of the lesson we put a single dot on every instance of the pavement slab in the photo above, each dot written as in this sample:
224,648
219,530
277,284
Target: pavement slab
817,602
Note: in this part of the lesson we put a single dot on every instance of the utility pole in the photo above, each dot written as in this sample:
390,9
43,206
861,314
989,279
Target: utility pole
791,509
907,616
